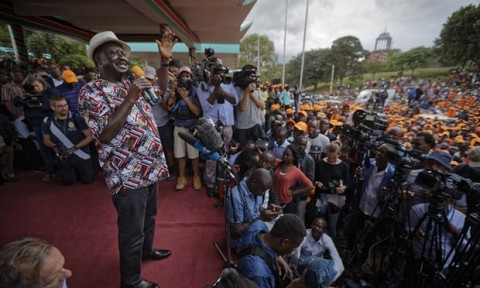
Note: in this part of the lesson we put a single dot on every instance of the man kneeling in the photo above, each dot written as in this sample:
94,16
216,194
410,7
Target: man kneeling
68,135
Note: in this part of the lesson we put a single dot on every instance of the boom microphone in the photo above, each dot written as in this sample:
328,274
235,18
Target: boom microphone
148,94
209,135
199,146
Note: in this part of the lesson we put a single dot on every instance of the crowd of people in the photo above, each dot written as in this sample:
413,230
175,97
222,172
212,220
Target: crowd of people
306,176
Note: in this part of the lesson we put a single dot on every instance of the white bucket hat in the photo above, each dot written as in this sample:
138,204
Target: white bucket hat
102,38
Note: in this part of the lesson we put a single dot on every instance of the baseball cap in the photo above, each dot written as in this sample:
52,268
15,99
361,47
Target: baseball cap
302,126
69,77
150,73
185,69
474,157
274,107
305,114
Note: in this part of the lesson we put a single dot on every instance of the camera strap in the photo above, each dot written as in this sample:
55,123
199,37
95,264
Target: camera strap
63,138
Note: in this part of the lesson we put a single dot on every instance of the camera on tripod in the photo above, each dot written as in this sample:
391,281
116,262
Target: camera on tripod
444,185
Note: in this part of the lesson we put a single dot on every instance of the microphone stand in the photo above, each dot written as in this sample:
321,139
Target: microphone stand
225,175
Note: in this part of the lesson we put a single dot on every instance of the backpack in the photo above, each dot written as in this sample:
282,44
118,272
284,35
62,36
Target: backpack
320,272
257,251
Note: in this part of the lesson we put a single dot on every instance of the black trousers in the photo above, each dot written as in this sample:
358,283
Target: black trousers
76,169
136,210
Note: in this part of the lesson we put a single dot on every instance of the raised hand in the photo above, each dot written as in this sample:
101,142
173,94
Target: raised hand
165,45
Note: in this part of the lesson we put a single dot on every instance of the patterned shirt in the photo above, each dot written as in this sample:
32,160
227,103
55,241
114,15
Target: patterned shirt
9,92
134,158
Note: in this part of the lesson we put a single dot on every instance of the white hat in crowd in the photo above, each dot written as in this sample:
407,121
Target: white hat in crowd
104,37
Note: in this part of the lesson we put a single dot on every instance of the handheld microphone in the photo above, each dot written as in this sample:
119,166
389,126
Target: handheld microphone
148,94
199,146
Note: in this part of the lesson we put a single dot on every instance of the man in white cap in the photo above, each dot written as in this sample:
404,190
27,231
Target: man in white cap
129,148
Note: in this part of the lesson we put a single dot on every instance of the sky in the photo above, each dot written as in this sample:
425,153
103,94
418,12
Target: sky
410,23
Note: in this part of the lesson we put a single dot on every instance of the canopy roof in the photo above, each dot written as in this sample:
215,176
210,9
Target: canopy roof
194,21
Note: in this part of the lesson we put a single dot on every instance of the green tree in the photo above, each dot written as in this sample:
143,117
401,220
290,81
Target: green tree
347,54
375,67
316,68
249,51
459,40
274,72
4,36
60,49
411,59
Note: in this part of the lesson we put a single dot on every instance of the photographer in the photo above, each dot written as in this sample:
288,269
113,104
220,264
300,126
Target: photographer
185,107
375,179
433,237
249,110
331,175
36,108
68,135
217,100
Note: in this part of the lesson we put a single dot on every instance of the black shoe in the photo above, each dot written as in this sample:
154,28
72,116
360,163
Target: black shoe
143,284
211,191
157,254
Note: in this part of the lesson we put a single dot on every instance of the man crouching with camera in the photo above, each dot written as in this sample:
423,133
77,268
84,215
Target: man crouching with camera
68,135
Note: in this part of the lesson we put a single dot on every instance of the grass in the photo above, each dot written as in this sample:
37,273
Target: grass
437,73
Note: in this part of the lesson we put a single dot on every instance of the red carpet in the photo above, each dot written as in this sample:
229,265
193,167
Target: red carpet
81,221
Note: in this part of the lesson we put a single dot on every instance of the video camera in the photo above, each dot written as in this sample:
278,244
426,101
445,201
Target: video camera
28,101
247,75
446,185
212,65
403,158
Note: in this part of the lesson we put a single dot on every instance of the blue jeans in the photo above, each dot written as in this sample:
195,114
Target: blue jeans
136,209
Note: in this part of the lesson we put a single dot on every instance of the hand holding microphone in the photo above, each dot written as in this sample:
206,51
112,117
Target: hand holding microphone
147,93
136,87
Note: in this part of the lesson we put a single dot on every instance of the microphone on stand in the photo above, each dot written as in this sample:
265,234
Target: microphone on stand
205,152
148,94
211,155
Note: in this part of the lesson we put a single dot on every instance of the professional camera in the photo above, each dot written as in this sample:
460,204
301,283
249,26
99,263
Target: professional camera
28,101
63,154
247,75
443,185
370,120
332,185
185,84
401,157
212,65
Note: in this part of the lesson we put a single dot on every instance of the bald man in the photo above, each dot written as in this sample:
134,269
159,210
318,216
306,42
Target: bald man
245,206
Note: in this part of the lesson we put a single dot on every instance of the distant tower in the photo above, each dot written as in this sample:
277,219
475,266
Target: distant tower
384,42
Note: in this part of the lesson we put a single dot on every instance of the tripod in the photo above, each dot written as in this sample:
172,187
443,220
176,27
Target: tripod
464,268
225,176
432,238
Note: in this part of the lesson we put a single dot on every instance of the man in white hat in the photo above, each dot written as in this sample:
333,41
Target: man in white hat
129,148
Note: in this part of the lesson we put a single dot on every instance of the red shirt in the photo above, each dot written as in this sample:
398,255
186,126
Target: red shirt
283,182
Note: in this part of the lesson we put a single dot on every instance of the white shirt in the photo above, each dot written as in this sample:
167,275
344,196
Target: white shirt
369,200
310,247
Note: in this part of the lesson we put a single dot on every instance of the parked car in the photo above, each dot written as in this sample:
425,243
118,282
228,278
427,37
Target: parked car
367,94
